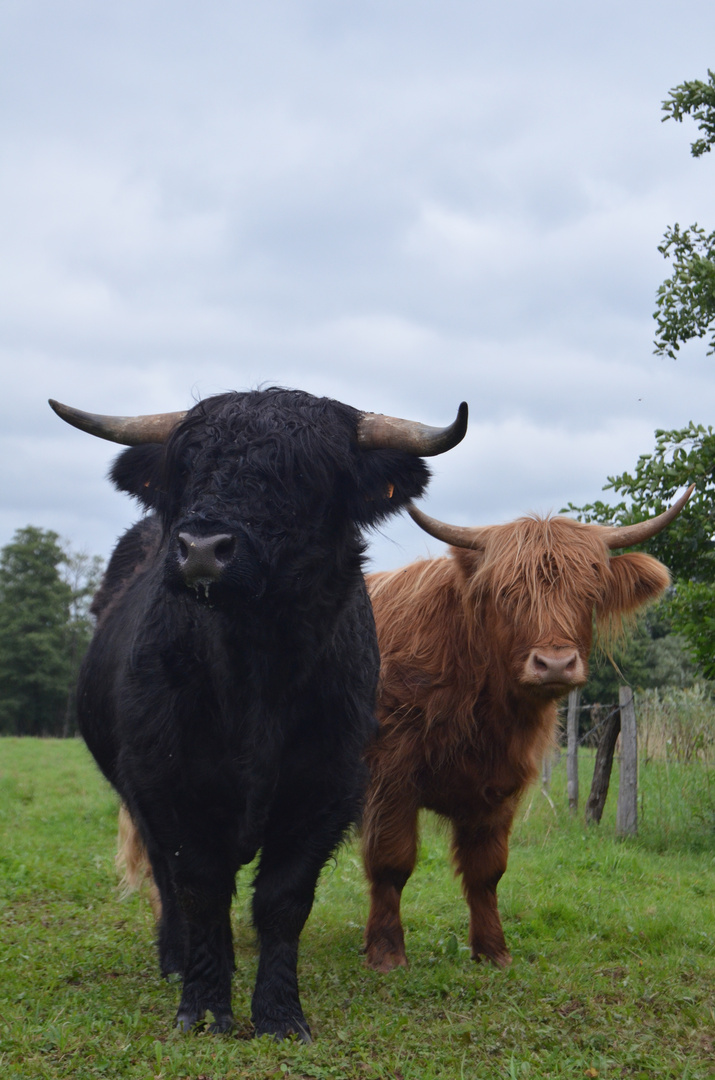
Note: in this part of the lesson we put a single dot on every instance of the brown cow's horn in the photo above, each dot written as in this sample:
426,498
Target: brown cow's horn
376,431
456,535
128,430
620,536
615,536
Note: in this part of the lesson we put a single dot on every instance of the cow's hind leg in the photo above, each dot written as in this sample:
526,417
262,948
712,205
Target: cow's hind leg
172,932
141,864
480,855
389,844
282,901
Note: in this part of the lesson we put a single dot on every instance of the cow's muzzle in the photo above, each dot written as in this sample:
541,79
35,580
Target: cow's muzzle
202,560
216,565
554,668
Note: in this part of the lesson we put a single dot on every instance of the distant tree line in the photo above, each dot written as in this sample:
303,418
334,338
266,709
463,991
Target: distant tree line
46,589
45,626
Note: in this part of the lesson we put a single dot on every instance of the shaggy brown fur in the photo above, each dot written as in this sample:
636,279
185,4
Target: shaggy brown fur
472,649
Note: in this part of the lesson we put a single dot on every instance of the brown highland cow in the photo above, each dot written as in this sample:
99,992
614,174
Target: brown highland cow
476,649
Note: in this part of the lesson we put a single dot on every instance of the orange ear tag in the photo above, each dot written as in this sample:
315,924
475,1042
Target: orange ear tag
390,490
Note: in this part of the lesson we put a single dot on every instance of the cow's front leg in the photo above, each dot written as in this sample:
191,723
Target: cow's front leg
480,855
284,889
389,844
301,836
208,953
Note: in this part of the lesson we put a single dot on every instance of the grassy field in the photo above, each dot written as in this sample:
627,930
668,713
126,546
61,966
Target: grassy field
613,945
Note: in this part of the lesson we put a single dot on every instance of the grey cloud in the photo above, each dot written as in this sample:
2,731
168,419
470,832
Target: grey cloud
398,205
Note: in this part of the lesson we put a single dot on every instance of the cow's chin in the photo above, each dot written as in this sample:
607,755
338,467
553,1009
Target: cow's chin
227,596
548,691
238,586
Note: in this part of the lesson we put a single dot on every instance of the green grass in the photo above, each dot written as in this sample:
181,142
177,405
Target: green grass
613,945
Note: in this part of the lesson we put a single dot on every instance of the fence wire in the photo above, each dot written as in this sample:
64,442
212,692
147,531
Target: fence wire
583,740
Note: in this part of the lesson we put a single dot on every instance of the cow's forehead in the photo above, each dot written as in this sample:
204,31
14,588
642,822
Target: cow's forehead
285,425
270,410
558,541
535,560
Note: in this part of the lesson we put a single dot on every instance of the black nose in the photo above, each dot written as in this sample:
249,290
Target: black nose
204,558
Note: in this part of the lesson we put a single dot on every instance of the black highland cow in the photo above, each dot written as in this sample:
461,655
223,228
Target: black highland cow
228,694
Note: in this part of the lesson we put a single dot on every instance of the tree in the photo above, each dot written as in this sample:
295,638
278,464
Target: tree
44,627
652,655
34,611
686,300
82,572
681,457
696,99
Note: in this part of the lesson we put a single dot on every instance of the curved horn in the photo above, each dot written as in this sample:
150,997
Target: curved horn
620,536
128,430
376,431
615,536
456,535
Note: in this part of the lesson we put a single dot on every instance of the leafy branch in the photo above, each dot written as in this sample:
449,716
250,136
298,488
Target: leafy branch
685,302
697,99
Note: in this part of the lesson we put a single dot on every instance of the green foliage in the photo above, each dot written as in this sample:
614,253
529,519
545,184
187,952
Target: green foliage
44,629
613,945
694,613
34,612
642,660
685,302
697,99
681,457
82,572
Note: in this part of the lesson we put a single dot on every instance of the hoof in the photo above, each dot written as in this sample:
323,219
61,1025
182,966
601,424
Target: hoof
283,1029
501,960
384,960
187,1021
190,1021
222,1023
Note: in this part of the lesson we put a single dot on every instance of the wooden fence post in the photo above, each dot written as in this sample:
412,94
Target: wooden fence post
627,813
572,750
602,767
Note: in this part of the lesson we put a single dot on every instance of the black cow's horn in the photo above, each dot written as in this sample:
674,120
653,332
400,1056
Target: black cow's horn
376,431
620,536
128,430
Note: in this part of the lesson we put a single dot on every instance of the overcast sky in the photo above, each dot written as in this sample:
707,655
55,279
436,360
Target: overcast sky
398,204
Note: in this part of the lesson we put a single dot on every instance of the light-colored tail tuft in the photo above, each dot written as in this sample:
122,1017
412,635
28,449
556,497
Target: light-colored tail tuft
132,862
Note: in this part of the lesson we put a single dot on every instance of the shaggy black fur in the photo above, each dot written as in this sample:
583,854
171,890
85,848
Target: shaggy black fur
233,716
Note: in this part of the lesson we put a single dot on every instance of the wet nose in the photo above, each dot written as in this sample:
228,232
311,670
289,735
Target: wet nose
557,666
204,558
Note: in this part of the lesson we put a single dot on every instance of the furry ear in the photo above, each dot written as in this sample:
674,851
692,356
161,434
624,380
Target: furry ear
386,481
632,580
138,471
